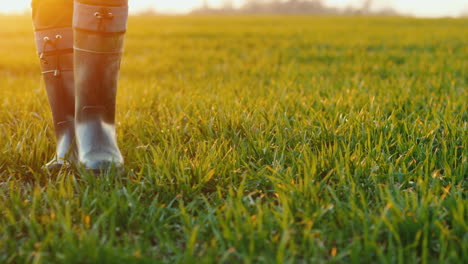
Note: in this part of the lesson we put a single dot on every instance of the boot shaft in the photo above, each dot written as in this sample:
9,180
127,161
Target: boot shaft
99,33
55,52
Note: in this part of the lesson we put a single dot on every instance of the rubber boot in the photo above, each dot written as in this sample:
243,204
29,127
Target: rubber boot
55,47
54,38
99,33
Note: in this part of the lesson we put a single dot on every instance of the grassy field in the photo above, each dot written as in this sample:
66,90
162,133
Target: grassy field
251,140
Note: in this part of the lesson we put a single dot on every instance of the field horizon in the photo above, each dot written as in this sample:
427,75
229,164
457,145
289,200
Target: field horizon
269,139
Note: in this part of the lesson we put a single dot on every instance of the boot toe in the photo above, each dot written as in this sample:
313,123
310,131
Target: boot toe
102,163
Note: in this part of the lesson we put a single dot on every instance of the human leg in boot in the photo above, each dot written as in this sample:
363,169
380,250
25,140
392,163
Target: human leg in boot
99,32
54,38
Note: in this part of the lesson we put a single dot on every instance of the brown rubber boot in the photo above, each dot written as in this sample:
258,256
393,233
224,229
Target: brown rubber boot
55,47
99,33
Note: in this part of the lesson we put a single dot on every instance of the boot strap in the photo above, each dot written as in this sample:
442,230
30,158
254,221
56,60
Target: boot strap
53,40
105,19
55,48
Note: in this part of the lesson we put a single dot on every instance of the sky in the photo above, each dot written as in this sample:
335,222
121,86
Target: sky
422,8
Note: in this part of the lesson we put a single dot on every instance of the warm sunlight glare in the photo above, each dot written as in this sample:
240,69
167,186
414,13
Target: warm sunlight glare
428,8
13,6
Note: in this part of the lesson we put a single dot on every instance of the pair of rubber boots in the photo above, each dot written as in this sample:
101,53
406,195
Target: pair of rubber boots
80,67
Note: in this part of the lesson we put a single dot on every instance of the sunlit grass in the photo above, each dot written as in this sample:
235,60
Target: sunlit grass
270,139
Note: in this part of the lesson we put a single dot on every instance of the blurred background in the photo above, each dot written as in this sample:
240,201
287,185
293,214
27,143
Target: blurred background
419,8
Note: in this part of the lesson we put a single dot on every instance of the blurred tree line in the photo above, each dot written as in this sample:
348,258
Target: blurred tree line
291,7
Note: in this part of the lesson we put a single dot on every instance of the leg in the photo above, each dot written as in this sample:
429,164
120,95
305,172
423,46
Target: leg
54,38
99,32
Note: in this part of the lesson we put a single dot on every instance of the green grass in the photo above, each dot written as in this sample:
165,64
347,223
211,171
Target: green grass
251,140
